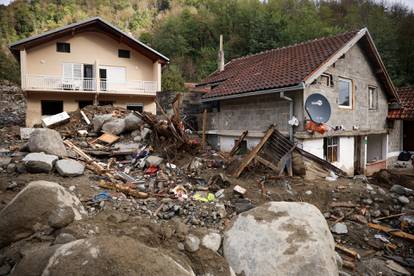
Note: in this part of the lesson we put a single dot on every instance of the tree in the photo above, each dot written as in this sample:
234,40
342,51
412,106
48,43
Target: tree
172,79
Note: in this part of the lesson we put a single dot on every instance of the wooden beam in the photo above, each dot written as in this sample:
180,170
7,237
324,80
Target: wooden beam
204,128
246,161
391,231
266,163
237,145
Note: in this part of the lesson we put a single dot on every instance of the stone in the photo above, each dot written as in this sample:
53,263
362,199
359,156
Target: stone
127,147
99,120
4,161
91,256
63,238
5,269
339,228
69,167
153,160
12,185
145,133
280,238
243,205
137,138
132,122
212,241
48,141
401,190
403,199
32,207
115,126
191,243
38,162
61,217
118,217
11,168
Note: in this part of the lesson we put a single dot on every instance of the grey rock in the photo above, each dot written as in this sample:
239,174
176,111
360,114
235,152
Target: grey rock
212,241
39,162
137,138
32,207
153,160
132,122
401,190
99,120
145,133
48,141
116,126
118,217
12,185
192,243
243,205
339,228
5,269
272,238
403,199
91,256
61,217
135,133
11,168
127,147
69,167
4,161
63,238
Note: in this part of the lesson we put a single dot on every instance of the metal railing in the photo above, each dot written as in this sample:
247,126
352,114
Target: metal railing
51,82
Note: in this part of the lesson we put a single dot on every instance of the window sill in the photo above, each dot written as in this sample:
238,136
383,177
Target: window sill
345,107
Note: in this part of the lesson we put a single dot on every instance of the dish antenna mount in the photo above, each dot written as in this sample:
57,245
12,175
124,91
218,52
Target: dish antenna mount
318,108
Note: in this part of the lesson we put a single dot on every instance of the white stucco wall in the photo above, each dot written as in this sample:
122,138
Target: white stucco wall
314,146
227,142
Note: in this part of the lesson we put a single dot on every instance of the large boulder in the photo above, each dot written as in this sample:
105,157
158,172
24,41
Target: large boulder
47,141
37,162
106,255
34,208
280,238
132,122
99,120
115,127
69,167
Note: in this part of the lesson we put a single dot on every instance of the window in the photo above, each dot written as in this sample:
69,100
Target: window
102,103
330,146
345,93
135,107
83,104
51,107
124,53
372,98
243,147
63,47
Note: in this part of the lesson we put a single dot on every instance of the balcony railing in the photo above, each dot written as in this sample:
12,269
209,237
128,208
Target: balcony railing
59,83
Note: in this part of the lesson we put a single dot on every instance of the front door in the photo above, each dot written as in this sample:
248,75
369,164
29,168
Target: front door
88,77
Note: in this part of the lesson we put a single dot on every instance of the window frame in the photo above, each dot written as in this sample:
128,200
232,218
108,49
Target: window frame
65,50
329,144
351,93
134,105
374,97
124,51
328,78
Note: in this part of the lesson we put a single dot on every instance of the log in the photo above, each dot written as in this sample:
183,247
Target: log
123,189
348,251
391,231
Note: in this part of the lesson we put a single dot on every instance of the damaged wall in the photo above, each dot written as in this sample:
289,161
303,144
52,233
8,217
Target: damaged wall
395,141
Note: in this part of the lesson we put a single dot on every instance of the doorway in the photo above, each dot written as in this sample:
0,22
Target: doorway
408,135
102,77
88,77
358,168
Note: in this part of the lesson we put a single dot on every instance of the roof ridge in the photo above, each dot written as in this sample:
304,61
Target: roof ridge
293,45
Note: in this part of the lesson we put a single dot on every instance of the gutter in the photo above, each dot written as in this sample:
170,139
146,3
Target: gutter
255,93
290,100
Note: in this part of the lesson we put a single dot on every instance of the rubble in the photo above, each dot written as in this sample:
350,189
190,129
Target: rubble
38,162
68,167
48,141
55,120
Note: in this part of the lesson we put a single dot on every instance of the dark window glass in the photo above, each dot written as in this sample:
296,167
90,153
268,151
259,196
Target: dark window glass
51,107
101,103
135,107
82,104
345,93
124,53
63,47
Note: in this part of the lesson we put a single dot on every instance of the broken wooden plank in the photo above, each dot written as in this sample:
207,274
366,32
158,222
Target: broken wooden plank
246,161
108,138
203,143
321,162
391,231
266,163
343,204
88,122
123,189
348,251
237,145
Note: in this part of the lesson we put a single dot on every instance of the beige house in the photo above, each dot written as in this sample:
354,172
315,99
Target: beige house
86,62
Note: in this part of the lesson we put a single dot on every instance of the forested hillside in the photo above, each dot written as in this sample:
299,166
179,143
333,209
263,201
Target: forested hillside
187,31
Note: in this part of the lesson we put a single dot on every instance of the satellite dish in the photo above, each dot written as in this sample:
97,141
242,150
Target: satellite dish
318,108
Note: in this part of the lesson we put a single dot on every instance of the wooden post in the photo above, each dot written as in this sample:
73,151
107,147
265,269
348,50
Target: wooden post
204,128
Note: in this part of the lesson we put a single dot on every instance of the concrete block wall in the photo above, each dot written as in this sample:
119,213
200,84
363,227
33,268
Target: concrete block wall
354,66
395,142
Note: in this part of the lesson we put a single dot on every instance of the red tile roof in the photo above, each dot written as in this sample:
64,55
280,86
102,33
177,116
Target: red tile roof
275,68
406,112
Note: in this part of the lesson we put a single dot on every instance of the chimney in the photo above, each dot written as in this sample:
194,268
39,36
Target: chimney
221,55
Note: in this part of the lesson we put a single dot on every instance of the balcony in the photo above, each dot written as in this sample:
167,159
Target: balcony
88,85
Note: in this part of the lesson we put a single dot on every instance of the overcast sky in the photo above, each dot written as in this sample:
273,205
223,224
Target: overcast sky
409,3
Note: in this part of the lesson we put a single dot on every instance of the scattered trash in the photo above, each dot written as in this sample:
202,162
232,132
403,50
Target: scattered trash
332,176
240,190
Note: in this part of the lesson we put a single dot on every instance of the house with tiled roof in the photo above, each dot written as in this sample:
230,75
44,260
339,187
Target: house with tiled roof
271,87
404,115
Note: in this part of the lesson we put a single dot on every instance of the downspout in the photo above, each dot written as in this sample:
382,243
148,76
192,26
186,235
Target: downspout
290,100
